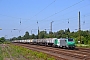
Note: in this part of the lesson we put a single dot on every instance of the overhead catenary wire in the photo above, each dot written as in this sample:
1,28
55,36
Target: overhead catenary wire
44,9
32,16
63,10
72,18
38,12
10,16
69,13
62,19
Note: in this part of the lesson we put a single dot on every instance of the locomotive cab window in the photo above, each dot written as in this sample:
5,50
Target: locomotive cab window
70,39
65,40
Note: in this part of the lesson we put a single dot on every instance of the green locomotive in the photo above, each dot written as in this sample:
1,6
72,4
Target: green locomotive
64,43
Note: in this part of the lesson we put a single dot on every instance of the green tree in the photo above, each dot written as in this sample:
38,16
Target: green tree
19,38
67,32
2,39
42,34
33,36
26,36
14,38
85,35
60,34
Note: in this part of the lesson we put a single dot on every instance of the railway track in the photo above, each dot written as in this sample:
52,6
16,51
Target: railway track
40,50
63,54
84,49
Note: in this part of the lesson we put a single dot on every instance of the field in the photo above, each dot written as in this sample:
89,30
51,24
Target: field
12,52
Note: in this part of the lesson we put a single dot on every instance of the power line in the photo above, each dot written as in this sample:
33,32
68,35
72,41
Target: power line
74,10
72,18
34,15
63,10
56,12
69,12
44,8
10,16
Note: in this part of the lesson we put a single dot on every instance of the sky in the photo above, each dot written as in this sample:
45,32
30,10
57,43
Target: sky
19,16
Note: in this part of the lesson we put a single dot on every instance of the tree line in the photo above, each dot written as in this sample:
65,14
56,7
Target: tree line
85,35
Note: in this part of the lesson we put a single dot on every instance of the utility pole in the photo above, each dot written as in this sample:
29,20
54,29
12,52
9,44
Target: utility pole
51,28
68,28
38,30
0,28
31,32
79,28
20,21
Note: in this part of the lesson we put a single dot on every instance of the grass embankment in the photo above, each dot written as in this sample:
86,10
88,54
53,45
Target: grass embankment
1,57
83,45
20,53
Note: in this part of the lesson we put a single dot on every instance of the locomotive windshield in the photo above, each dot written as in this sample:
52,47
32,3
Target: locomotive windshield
70,39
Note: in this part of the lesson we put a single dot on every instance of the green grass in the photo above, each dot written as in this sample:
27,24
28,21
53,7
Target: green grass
83,45
1,55
29,54
22,53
